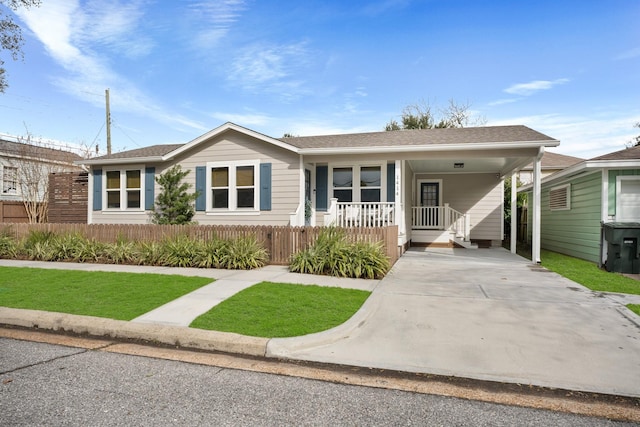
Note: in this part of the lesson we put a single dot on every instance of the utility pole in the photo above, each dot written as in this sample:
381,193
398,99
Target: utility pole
106,93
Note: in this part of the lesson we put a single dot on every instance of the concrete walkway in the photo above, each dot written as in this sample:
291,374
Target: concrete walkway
484,314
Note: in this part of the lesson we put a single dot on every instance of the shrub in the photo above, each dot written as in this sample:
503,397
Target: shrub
244,253
180,252
8,245
121,252
333,255
149,253
212,253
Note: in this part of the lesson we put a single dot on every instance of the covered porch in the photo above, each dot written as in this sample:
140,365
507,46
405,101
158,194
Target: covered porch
435,199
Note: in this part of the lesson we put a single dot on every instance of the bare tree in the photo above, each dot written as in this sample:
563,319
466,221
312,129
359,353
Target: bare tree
34,160
421,116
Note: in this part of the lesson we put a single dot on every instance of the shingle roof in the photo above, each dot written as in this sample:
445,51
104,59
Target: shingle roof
632,153
29,150
417,137
488,134
152,151
555,161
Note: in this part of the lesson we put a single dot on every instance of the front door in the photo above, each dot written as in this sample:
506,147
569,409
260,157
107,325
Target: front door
430,197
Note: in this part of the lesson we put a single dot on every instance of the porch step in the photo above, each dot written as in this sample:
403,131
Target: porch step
457,241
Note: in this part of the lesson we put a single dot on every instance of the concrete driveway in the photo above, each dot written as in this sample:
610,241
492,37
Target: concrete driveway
485,314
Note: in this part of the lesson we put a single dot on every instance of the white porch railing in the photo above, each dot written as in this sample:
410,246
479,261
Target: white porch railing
361,214
441,218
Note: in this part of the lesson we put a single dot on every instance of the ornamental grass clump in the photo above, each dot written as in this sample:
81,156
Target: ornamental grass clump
242,253
333,255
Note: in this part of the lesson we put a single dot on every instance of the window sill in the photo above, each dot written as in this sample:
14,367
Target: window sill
232,213
122,212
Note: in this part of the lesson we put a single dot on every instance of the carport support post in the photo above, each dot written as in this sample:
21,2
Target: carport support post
514,219
535,235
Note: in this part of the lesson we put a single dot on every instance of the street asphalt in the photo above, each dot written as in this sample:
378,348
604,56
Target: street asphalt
483,314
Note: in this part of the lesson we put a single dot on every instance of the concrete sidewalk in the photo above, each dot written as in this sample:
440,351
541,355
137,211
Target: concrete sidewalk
483,314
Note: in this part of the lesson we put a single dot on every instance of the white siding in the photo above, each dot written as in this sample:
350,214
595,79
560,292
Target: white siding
232,146
480,195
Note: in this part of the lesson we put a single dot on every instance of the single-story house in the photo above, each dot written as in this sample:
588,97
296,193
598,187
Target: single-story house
550,164
436,185
577,200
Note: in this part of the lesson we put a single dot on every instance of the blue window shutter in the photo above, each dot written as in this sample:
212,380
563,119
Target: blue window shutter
201,183
97,189
149,191
391,182
265,186
322,184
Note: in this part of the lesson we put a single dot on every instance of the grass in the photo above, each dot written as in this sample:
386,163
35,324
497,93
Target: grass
588,274
282,310
635,308
121,296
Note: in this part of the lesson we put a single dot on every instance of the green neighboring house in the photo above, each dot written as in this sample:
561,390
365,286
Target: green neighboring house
576,200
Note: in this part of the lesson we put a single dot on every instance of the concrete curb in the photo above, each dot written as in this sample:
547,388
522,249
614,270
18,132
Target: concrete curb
284,347
170,335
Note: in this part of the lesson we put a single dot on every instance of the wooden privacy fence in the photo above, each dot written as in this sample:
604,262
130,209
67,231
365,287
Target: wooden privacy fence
12,211
68,197
280,241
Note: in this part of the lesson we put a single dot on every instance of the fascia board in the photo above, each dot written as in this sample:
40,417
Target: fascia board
588,164
124,161
430,148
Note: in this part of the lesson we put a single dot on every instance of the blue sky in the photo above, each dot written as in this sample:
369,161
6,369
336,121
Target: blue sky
176,69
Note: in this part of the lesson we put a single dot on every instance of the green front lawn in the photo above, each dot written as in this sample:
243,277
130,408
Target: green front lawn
282,310
121,296
635,308
588,274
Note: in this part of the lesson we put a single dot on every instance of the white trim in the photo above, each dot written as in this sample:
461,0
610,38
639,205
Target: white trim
619,180
355,186
514,207
233,195
123,189
427,181
567,196
537,192
430,148
585,165
604,196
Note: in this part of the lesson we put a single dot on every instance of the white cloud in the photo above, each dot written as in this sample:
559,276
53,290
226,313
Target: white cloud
582,136
213,20
269,68
503,101
72,33
630,54
250,119
526,89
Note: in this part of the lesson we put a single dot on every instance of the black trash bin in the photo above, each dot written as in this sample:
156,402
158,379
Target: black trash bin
623,252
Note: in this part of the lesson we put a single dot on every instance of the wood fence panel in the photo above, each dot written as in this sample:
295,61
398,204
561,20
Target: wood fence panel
281,241
13,212
68,197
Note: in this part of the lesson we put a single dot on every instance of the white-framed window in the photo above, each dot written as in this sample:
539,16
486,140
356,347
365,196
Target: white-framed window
358,183
628,198
560,198
233,186
9,180
123,189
